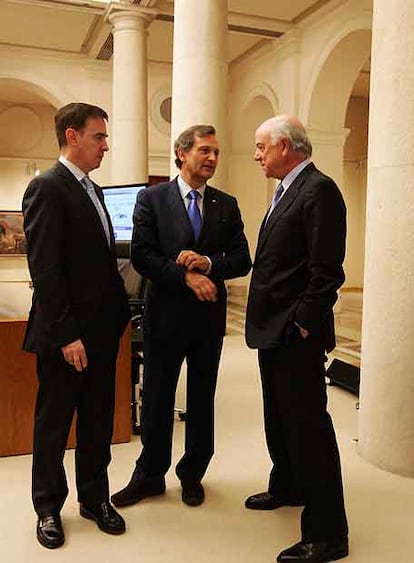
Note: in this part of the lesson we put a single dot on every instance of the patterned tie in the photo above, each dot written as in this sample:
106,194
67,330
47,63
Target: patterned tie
194,212
275,200
90,190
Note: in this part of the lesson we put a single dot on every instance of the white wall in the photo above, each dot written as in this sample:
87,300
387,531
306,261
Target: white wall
309,72
282,76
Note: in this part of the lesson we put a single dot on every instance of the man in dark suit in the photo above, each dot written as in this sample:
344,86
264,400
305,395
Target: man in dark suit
188,238
78,314
296,274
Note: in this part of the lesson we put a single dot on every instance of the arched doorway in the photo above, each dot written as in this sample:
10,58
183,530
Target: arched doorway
252,190
27,138
337,119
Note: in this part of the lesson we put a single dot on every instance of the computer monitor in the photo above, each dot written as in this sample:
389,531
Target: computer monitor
120,202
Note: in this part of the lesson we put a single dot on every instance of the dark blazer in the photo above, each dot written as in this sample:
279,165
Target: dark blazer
78,292
298,265
161,231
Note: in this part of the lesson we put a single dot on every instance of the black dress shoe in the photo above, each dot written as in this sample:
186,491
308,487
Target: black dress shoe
49,531
192,493
138,490
105,515
267,501
315,552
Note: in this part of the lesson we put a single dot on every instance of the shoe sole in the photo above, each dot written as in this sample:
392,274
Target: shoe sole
89,516
195,502
135,500
339,555
334,557
44,542
272,507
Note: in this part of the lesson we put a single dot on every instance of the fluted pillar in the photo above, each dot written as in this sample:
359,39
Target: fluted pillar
129,139
200,72
386,431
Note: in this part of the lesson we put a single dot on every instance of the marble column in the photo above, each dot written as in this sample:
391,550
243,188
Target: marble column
129,118
386,428
200,73
328,151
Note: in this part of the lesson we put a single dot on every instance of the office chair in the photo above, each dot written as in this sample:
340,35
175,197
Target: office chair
137,289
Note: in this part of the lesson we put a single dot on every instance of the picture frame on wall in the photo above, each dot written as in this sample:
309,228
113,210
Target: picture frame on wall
12,239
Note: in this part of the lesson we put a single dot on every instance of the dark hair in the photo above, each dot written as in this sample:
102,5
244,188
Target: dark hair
75,115
186,139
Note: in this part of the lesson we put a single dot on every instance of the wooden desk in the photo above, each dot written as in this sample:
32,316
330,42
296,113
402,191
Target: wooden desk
18,387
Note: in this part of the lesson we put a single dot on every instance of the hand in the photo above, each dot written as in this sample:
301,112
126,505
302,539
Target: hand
75,354
191,261
202,286
303,332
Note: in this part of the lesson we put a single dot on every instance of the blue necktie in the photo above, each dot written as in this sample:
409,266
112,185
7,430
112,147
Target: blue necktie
90,190
276,198
194,212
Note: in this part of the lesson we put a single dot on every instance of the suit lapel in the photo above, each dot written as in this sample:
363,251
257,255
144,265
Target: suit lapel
211,212
181,222
284,204
79,193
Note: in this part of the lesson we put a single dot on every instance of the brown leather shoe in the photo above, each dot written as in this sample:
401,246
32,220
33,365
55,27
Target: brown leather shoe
314,552
49,531
105,515
267,501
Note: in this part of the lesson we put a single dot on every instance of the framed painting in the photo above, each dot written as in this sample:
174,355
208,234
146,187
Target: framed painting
12,239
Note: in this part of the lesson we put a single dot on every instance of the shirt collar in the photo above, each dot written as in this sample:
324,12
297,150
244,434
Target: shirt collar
77,172
185,188
293,174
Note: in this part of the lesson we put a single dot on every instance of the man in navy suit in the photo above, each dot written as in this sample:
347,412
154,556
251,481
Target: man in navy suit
79,312
188,238
297,271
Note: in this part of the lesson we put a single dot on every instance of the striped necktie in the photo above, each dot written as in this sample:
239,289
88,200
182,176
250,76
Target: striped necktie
277,196
90,190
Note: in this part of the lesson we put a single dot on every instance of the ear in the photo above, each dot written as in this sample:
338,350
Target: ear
285,145
71,136
181,154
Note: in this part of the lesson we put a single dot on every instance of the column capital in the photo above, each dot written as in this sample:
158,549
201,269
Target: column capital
125,16
331,138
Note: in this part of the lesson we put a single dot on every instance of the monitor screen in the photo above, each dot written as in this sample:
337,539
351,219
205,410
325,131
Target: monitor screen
120,202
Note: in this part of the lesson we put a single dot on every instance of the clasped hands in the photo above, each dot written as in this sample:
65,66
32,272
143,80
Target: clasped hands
196,267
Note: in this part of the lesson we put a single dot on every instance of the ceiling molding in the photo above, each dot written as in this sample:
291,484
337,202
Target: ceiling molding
260,24
309,11
97,8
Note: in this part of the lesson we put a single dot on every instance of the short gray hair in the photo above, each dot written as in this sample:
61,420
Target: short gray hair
283,126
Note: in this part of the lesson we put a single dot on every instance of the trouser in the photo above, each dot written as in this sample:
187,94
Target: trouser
301,438
62,391
162,365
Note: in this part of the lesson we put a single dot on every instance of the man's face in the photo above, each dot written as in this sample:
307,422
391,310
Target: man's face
200,162
272,157
88,145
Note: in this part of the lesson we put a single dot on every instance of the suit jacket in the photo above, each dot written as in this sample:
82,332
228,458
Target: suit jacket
162,230
298,265
78,292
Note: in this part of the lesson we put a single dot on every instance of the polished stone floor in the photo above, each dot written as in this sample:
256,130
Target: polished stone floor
380,505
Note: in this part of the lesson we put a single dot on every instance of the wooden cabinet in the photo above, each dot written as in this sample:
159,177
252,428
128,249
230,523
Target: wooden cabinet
18,387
